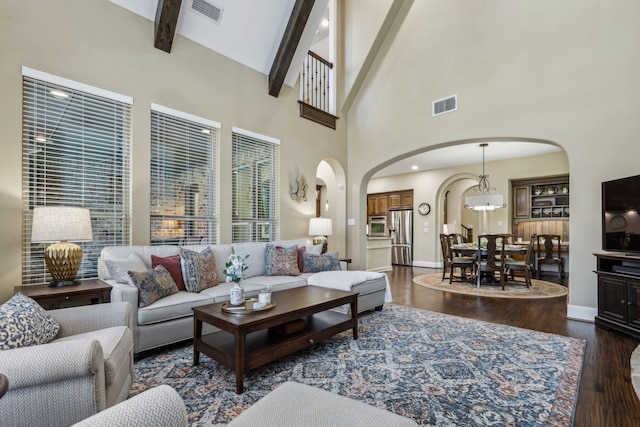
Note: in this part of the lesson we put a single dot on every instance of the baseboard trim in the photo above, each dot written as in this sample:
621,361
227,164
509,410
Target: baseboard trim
582,313
427,264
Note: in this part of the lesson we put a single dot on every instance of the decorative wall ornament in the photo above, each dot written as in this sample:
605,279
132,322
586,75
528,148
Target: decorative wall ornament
298,189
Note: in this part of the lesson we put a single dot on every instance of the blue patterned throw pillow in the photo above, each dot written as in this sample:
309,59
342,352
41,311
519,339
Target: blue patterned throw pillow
153,285
317,263
23,322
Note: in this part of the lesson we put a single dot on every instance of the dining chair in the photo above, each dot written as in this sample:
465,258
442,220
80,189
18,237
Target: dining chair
488,262
452,262
526,266
548,246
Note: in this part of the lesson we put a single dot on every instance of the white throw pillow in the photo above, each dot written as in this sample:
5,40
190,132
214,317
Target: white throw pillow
257,260
119,269
315,249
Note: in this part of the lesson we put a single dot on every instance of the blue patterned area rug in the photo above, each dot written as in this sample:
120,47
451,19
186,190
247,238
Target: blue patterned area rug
437,369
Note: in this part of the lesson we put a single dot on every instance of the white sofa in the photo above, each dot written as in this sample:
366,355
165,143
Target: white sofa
169,319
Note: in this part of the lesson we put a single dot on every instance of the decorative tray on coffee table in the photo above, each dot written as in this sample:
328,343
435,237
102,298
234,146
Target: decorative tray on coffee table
247,307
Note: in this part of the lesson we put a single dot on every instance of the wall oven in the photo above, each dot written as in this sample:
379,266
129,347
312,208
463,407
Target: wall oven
378,226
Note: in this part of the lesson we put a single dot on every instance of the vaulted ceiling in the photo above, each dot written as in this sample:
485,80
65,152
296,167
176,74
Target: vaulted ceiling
247,31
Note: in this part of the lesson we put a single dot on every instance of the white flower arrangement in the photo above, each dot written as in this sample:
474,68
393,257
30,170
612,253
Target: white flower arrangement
235,268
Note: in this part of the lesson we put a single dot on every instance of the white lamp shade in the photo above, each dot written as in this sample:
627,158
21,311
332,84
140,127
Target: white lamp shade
58,223
484,202
320,227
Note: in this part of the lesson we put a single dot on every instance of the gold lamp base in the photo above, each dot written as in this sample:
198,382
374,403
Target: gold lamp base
63,261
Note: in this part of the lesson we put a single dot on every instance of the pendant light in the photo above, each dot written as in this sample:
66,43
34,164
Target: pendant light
484,199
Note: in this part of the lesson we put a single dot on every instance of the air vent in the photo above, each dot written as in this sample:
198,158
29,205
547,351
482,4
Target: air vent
207,10
445,105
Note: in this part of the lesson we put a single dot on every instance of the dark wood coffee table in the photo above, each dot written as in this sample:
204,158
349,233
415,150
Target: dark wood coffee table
245,341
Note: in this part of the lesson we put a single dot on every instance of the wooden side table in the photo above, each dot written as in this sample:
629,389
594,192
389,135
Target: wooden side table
94,290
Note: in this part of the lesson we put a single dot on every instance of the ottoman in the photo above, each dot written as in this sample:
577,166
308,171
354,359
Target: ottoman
372,287
293,404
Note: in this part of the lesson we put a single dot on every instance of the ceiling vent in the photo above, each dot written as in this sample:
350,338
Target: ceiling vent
445,105
207,10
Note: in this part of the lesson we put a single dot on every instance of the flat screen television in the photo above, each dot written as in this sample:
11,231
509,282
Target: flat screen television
621,215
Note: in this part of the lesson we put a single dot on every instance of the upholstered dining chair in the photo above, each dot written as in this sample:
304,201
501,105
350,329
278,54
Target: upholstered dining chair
526,266
490,247
548,246
452,262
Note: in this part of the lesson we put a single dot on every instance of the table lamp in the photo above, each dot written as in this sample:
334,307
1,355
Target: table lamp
61,224
320,228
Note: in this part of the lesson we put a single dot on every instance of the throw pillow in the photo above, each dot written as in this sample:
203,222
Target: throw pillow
23,322
153,284
315,249
256,262
282,262
199,269
301,249
317,263
173,265
118,269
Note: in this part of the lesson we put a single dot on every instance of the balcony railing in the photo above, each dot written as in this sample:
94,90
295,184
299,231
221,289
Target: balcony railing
315,90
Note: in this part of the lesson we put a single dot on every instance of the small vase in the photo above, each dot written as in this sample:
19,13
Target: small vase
236,296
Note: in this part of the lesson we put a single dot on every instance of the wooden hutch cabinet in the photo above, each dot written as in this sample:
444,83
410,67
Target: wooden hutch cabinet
541,206
618,292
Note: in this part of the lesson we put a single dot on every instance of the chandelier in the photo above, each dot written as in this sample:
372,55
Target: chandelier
484,200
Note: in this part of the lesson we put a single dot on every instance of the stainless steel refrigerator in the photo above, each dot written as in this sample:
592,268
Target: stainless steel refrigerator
401,231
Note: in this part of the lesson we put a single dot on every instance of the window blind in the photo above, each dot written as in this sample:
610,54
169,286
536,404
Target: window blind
183,178
255,181
75,152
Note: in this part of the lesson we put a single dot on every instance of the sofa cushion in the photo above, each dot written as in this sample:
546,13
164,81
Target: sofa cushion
173,265
282,262
324,262
257,257
174,306
23,322
119,268
199,269
153,284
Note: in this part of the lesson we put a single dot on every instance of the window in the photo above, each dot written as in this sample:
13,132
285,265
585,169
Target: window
75,152
256,199
183,178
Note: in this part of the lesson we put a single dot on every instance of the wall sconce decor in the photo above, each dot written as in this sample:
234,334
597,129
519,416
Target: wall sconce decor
298,189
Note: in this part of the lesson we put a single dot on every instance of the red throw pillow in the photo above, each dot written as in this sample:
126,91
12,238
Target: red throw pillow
172,264
301,250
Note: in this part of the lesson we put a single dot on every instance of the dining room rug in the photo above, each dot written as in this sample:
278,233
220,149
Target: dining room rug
437,369
513,289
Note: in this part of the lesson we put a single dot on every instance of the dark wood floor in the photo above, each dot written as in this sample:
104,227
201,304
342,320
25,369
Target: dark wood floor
606,395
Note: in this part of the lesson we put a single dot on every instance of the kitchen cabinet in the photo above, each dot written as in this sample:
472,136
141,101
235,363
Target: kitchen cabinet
618,292
377,205
381,203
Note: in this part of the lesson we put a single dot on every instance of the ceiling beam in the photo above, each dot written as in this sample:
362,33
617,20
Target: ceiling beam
289,44
165,23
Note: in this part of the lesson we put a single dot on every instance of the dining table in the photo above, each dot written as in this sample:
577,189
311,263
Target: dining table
471,249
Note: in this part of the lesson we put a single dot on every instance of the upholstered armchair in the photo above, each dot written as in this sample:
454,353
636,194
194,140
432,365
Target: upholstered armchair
160,406
87,367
